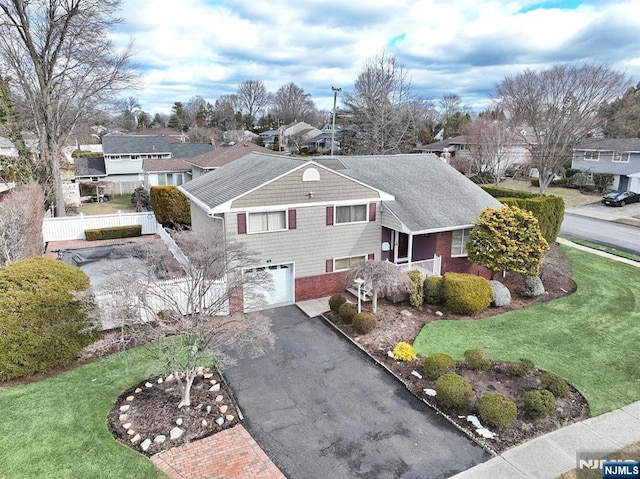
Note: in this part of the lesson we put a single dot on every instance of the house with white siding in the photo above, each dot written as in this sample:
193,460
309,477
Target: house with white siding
617,156
311,220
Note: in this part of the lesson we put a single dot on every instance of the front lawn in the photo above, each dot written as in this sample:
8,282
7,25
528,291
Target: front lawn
57,427
589,338
117,203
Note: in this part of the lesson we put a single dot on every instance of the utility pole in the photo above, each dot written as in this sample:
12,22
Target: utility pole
333,127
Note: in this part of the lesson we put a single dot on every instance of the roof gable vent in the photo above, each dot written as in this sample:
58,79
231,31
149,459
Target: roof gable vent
311,174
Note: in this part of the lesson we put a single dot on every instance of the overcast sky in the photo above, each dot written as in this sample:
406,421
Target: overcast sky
207,47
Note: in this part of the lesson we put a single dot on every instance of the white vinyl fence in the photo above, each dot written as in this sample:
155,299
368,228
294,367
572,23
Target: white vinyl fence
177,295
72,227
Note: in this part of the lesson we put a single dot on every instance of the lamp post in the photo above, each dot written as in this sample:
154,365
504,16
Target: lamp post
333,127
359,282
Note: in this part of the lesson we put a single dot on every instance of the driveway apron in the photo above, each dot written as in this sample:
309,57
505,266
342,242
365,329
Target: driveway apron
320,408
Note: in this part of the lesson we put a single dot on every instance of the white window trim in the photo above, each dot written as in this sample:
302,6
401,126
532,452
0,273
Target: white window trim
335,214
335,270
114,158
591,159
622,154
465,238
286,221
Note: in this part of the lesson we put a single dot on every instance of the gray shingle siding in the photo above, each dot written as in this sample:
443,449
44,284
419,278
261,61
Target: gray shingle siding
292,190
311,243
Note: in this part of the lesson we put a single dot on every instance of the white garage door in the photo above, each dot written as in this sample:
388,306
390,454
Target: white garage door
281,292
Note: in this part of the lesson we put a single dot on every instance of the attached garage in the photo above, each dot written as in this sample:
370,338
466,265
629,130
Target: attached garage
281,292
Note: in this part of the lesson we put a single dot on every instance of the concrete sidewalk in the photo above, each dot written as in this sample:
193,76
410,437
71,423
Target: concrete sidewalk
548,456
604,254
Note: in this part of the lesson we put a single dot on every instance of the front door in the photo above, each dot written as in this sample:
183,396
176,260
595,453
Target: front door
399,247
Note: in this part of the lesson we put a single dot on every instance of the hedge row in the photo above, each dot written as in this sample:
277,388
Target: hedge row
113,232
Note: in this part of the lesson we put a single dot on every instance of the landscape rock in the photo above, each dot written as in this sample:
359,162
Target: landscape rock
501,294
138,390
131,432
124,408
208,409
160,439
533,286
207,375
439,313
220,421
229,417
136,439
130,398
123,417
179,421
430,392
175,433
223,409
127,425
160,380
406,313
215,387
145,444
147,384
204,423
219,398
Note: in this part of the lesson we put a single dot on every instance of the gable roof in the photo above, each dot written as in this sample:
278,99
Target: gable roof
134,144
223,155
167,165
189,150
238,177
430,195
83,167
611,144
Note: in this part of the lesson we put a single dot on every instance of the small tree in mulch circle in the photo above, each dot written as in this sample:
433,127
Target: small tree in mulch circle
186,321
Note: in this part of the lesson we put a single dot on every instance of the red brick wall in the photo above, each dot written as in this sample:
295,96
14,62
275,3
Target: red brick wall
458,265
311,287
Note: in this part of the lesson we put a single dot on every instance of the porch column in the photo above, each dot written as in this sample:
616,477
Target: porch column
410,249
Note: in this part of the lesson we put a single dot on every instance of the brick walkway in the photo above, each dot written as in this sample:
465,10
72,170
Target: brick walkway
230,454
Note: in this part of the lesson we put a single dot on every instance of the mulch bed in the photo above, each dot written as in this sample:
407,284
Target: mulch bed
394,327
149,411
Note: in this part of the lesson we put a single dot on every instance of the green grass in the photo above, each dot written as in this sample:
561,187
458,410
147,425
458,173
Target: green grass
590,338
57,427
606,249
122,203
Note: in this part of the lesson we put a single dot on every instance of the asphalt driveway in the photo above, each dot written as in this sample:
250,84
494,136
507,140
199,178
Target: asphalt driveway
321,409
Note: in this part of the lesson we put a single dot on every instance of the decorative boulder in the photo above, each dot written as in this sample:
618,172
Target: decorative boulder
501,294
533,286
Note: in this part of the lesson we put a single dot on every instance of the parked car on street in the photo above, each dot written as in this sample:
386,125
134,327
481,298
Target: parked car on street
620,198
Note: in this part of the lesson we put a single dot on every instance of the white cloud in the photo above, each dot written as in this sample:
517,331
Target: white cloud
200,47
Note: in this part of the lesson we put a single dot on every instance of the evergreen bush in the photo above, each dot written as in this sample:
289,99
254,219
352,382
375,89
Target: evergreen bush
438,364
347,311
477,359
364,322
466,293
539,404
496,410
433,289
452,391
336,301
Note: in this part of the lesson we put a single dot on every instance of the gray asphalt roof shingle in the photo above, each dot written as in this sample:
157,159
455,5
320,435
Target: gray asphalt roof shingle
83,167
239,177
189,150
611,144
129,144
430,194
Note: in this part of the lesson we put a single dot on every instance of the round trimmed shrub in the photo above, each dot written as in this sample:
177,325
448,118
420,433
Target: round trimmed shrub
496,410
539,404
433,289
404,352
347,311
466,293
477,359
522,368
336,301
438,364
42,325
364,322
554,383
453,391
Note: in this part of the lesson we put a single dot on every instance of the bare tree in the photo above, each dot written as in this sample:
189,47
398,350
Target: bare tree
382,108
225,112
187,320
291,104
129,109
21,215
383,276
60,55
560,105
253,97
491,146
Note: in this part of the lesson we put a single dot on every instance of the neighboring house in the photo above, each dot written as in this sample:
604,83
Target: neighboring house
221,156
89,169
172,172
310,221
322,142
292,137
617,156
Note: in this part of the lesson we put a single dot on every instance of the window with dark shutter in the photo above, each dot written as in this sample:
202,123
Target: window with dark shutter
242,223
371,256
292,219
329,266
329,215
372,211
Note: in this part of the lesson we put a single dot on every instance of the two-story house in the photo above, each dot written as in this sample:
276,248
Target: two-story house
310,221
617,156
